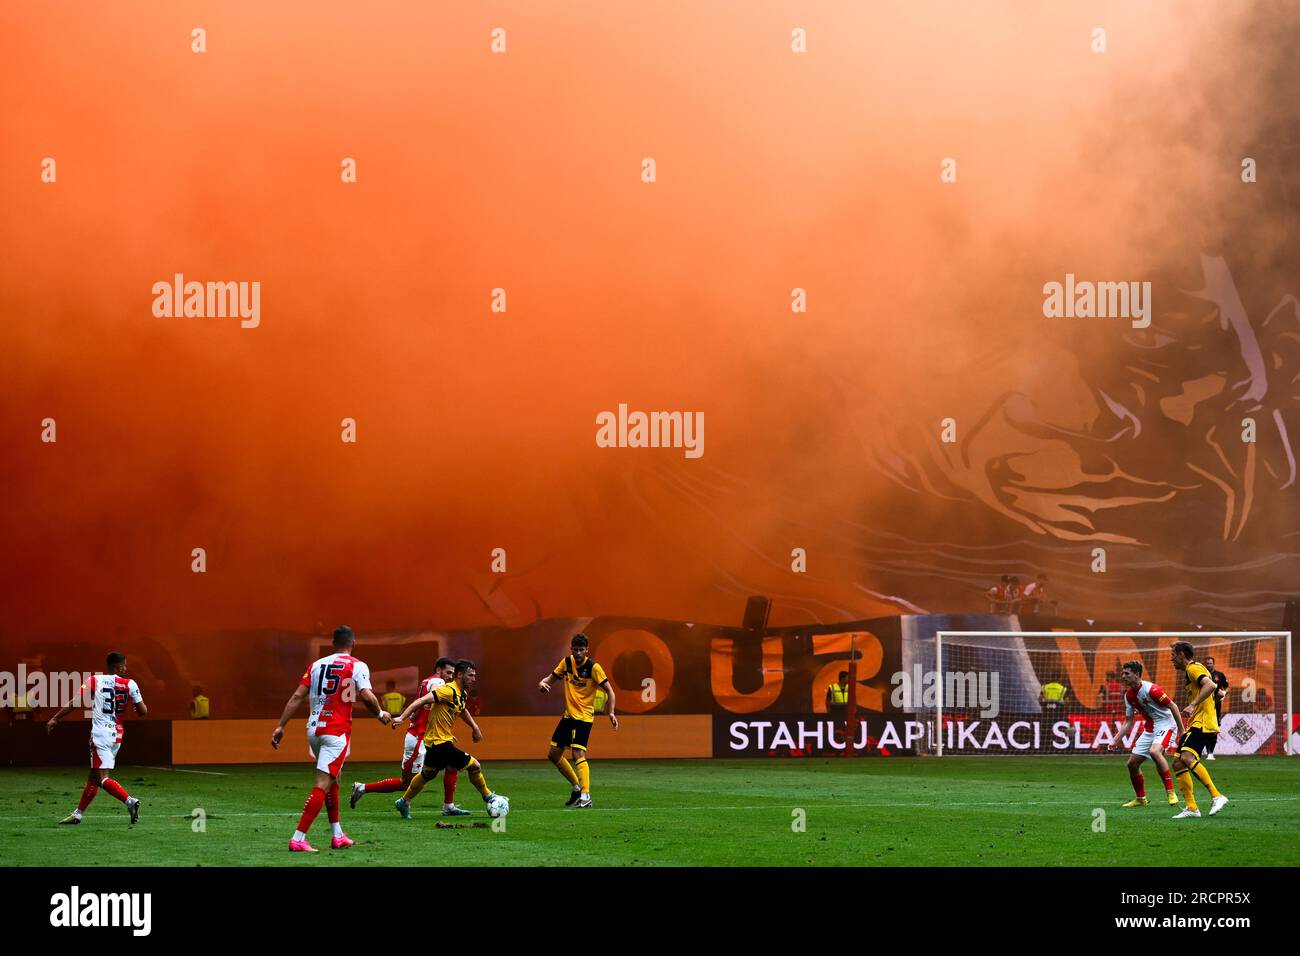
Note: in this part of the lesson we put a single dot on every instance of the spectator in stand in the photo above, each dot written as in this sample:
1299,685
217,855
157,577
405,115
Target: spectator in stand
1013,594
997,595
1035,596
200,706
1220,698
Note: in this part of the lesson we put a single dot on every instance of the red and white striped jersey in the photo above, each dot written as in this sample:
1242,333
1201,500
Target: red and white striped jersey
333,683
420,719
106,696
1154,704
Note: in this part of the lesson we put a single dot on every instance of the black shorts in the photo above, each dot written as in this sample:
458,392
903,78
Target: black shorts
571,733
1197,740
444,755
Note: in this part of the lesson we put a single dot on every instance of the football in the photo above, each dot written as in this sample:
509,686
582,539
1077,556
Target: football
498,806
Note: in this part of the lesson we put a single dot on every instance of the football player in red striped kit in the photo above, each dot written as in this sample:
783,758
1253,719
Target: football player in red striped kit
332,683
106,695
1164,725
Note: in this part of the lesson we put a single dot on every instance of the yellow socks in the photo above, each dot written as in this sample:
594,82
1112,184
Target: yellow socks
480,784
413,791
584,773
1185,785
1203,775
566,768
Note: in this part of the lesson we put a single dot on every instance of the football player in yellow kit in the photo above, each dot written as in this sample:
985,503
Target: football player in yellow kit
582,678
1202,729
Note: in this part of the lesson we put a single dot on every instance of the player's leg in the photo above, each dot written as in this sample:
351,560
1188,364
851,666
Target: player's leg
433,761
1188,764
1199,770
107,762
412,756
87,794
1135,776
449,808
338,839
1210,739
324,749
387,785
560,739
1183,776
581,736
474,770
1157,754
556,756
321,783
1192,760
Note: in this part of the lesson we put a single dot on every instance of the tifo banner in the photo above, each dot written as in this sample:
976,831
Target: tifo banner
655,666
671,667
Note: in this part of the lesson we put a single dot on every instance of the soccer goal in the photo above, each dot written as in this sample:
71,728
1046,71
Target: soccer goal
1059,692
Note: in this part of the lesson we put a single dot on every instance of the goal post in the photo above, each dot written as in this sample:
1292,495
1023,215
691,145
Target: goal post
1058,692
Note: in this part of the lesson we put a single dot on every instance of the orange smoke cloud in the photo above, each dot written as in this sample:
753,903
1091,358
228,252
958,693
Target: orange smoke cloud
522,171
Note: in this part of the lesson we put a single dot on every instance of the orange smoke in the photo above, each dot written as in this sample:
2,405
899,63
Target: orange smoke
522,171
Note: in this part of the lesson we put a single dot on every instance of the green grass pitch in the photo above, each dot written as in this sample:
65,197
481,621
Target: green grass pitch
962,811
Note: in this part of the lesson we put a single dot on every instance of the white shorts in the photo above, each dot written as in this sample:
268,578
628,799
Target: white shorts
103,749
329,751
1160,737
413,754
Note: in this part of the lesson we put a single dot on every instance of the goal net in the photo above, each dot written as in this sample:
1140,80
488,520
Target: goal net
1059,692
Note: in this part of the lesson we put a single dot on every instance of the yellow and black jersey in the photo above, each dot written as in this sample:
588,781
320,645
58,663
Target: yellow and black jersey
448,704
1203,717
580,684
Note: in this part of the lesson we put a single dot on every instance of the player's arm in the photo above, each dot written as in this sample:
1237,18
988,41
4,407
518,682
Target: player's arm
137,700
544,685
1123,732
609,692
1164,701
475,733
50,724
1207,688
412,707
290,708
81,696
372,704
